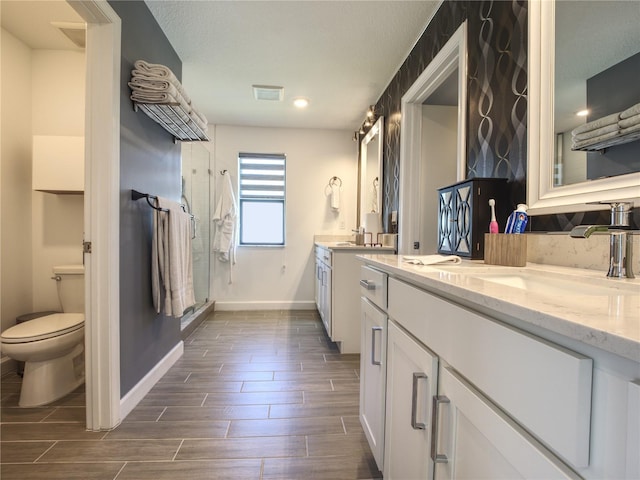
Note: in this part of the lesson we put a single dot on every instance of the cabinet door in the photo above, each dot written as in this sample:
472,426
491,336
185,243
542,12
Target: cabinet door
446,228
326,299
411,383
373,337
463,201
474,439
318,284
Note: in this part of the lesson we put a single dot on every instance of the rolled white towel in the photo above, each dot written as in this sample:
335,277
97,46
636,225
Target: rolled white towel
629,121
594,140
629,130
161,72
595,133
596,124
630,112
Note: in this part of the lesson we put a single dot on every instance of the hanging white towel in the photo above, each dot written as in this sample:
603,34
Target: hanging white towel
335,196
172,266
224,217
374,196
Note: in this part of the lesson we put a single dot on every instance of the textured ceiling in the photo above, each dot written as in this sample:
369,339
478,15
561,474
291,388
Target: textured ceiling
340,55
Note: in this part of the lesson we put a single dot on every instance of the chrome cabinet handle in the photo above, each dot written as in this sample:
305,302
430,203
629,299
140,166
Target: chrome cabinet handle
435,456
373,345
369,286
414,402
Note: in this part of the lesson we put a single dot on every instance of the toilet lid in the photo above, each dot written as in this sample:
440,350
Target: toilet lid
43,327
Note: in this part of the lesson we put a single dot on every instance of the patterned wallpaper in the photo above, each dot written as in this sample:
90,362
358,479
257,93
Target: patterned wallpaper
496,104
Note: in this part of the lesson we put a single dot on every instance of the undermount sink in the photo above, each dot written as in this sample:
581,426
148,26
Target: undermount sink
555,284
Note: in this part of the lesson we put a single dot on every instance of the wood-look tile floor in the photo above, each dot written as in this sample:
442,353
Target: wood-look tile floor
257,395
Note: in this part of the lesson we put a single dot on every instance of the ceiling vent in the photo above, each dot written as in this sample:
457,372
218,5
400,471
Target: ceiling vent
73,31
268,92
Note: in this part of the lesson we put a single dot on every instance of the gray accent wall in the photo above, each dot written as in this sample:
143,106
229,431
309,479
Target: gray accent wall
150,163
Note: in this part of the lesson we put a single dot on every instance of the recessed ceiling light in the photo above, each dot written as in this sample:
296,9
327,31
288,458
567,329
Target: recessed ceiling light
301,102
582,113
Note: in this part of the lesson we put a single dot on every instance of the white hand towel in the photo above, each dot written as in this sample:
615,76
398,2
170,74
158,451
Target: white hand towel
335,196
432,259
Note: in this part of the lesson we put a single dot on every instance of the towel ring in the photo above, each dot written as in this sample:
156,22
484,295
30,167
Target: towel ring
334,181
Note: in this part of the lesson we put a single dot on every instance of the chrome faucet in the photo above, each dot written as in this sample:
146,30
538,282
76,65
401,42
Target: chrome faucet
620,239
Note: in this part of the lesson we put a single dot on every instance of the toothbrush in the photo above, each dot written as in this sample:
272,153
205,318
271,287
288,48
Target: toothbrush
493,225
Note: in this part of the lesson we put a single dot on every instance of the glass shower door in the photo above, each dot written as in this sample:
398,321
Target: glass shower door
196,183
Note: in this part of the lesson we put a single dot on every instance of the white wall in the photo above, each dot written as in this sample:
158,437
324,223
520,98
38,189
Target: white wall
57,220
438,169
272,278
15,180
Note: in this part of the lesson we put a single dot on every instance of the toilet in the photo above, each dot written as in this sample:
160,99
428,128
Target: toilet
52,346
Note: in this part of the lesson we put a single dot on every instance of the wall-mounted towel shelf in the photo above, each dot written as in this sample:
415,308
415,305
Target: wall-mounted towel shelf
174,119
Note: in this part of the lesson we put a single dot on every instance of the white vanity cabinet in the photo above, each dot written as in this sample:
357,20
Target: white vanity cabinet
337,287
373,358
520,386
412,373
475,439
323,287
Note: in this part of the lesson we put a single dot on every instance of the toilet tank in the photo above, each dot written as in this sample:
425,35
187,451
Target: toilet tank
70,283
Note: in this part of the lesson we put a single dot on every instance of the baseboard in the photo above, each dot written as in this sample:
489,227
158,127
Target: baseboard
137,393
222,306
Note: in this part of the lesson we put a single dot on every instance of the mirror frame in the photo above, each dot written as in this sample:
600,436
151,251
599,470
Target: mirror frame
376,129
542,196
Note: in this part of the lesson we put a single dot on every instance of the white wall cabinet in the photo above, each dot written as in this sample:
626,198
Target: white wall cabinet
58,164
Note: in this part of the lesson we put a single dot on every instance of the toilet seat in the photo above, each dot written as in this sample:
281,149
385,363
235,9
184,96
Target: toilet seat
42,328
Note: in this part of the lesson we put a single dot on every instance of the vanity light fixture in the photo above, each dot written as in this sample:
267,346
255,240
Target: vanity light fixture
369,119
583,113
301,102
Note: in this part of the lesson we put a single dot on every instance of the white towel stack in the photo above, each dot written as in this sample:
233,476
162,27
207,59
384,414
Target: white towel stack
152,83
171,261
617,128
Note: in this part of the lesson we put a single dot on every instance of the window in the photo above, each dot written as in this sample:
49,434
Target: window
262,197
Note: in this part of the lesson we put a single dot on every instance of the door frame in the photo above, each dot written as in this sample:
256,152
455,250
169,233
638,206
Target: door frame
452,55
102,213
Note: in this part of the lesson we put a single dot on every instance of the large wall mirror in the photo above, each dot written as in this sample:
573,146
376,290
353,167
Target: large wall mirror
371,177
584,56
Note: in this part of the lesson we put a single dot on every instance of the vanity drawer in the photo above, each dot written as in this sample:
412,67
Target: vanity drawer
544,387
373,285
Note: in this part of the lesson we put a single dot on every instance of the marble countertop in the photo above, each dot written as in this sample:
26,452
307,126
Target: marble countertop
594,310
345,245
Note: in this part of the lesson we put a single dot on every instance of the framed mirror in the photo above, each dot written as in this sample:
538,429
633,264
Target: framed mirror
573,46
371,177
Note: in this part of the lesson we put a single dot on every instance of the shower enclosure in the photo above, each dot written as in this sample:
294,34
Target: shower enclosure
196,196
